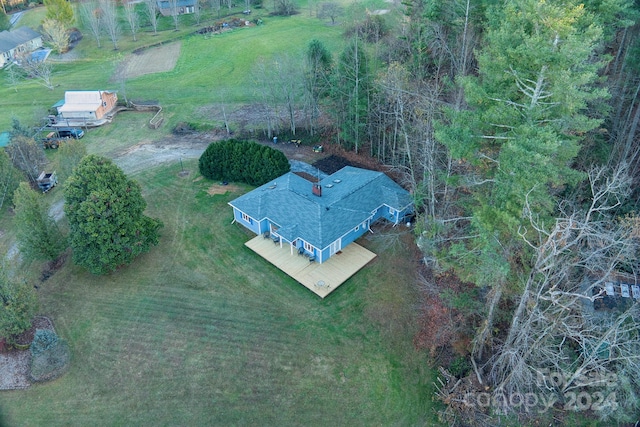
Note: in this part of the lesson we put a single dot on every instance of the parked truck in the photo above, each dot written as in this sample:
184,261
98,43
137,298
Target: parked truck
47,180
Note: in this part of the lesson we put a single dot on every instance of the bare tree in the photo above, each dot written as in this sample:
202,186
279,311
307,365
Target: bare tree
266,92
197,12
173,6
216,5
13,75
27,156
558,341
288,79
110,20
152,14
91,15
35,68
330,10
132,18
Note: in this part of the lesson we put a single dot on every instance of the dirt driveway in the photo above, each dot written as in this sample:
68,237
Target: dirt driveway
145,155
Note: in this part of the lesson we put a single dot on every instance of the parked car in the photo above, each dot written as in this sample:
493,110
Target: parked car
70,133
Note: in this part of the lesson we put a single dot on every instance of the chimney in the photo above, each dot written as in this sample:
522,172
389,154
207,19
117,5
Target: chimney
317,190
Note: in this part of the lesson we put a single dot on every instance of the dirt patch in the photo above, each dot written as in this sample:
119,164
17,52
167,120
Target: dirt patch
172,149
155,60
333,163
222,189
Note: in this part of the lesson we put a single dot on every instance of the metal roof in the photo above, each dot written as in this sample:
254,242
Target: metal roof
85,100
349,197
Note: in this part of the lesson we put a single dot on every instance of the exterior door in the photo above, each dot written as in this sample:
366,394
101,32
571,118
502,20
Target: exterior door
335,247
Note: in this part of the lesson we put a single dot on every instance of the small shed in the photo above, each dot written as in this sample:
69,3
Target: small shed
87,104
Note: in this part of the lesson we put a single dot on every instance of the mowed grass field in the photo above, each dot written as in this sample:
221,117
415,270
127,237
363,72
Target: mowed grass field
211,69
202,331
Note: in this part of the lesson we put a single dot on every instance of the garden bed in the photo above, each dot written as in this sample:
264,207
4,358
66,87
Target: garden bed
14,363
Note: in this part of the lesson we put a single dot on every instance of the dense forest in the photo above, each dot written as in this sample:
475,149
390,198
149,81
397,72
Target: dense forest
515,126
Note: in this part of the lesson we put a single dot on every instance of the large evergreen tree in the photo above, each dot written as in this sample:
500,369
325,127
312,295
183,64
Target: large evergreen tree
105,212
521,132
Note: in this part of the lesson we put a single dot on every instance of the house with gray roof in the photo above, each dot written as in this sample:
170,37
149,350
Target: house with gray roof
320,219
181,7
19,41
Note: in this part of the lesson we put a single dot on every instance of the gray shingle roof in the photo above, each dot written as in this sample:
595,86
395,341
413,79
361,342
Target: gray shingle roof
349,197
12,39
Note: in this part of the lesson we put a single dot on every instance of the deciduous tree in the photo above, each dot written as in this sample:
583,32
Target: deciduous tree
330,10
110,20
27,155
61,11
56,34
152,14
105,210
91,15
132,18
557,327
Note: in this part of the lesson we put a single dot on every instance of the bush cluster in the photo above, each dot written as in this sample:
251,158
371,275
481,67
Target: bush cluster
43,340
242,161
49,356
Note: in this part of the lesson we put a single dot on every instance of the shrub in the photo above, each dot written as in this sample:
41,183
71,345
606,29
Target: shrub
43,340
460,367
18,304
242,161
49,356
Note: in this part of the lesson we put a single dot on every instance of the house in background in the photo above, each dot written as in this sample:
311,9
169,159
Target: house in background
320,219
182,7
85,108
17,42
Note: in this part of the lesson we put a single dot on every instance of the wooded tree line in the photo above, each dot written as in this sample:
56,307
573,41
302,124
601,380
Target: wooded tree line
516,126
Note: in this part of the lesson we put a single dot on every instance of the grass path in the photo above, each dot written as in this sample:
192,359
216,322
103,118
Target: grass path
201,331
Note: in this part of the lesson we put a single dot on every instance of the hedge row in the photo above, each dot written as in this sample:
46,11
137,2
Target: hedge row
242,161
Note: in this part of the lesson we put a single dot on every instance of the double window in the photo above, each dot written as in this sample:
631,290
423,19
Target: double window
247,218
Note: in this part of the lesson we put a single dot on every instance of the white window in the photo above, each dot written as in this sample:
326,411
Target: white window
246,218
357,228
308,247
392,211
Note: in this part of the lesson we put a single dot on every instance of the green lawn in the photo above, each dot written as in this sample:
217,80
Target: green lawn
201,331
211,69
